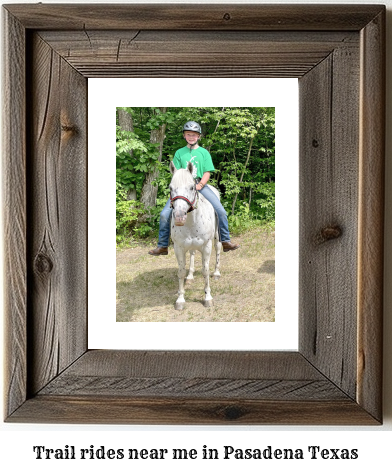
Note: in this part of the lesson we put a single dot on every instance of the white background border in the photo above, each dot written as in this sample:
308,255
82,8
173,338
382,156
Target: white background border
104,96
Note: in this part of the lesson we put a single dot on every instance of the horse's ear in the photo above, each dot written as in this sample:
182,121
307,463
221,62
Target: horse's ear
173,169
190,168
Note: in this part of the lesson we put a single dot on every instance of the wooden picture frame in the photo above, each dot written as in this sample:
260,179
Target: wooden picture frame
338,54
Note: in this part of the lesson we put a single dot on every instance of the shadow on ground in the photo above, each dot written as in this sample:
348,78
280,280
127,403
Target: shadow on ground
267,267
149,289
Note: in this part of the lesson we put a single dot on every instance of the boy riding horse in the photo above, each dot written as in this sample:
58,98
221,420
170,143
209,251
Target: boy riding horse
202,168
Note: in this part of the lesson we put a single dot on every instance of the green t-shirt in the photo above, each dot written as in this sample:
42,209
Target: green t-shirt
200,159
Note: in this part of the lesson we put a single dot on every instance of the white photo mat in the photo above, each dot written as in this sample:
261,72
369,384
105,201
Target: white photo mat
104,95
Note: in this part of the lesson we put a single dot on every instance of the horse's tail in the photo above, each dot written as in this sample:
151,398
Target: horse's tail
217,235
218,247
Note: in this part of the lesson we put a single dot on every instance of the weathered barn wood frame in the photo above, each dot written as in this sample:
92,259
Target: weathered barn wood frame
337,53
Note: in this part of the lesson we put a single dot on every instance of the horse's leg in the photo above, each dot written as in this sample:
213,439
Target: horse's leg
206,253
181,259
218,247
189,278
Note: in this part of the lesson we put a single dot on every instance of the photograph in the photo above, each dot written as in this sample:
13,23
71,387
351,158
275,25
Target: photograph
195,214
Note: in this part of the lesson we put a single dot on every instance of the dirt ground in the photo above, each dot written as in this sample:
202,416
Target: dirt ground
147,286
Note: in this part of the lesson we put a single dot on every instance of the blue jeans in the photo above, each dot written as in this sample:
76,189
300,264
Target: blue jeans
164,222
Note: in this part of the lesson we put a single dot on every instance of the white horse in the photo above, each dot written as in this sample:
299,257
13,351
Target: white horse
193,227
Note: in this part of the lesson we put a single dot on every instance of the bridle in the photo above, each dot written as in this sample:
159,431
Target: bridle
192,206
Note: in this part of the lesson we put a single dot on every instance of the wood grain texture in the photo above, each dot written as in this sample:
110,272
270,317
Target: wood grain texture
57,205
155,411
329,137
371,215
335,378
205,374
190,388
14,211
167,53
192,17
208,364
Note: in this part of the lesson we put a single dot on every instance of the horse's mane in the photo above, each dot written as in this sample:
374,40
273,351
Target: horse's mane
182,177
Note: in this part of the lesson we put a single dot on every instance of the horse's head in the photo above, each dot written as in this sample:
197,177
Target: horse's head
182,192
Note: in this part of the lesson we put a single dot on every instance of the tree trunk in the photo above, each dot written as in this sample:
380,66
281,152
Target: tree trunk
216,128
149,192
243,172
126,123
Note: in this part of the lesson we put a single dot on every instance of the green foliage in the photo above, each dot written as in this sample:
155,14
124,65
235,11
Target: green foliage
129,170
267,201
126,214
242,219
130,222
241,141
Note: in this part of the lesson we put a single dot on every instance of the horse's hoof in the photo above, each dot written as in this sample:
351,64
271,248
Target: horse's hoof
216,277
208,303
179,306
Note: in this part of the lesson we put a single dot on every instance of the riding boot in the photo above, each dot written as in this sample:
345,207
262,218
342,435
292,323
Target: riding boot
229,246
159,251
